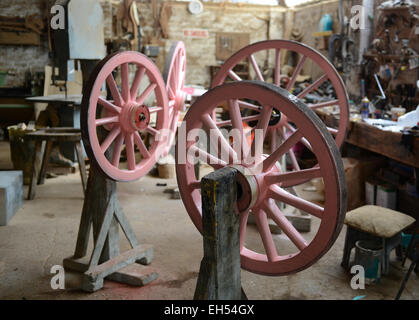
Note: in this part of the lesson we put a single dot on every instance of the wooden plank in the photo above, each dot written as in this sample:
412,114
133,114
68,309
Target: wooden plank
124,259
126,226
82,166
219,275
20,38
103,233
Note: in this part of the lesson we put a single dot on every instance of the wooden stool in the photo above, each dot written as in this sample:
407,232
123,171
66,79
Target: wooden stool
375,223
51,135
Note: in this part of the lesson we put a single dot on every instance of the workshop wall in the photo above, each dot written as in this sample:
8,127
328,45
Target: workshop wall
307,20
261,22
19,59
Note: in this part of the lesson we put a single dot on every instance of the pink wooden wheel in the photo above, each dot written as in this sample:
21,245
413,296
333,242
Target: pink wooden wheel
306,56
261,183
174,76
108,124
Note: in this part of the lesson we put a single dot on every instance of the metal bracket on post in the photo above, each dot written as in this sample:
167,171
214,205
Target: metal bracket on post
220,273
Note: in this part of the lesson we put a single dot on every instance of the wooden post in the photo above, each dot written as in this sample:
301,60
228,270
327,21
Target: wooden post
102,213
219,275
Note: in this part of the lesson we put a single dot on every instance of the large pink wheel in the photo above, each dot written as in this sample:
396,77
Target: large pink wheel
261,183
303,55
174,76
137,106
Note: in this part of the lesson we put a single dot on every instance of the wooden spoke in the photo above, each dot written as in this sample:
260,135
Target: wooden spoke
256,67
215,132
324,104
265,233
208,158
294,159
333,131
110,81
227,123
313,86
137,82
289,179
270,161
108,105
129,148
244,216
286,226
247,105
195,185
296,73
155,109
110,138
234,75
125,82
108,120
172,95
299,203
116,155
293,130
277,78
152,131
141,146
146,93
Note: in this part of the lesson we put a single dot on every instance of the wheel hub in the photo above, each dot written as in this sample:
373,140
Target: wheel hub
251,186
275,117
134,117
141,117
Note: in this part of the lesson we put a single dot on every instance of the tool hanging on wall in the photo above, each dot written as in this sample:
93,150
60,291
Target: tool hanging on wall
341,46
128,25
394,54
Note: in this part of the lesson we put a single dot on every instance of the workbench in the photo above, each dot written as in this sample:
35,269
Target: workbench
68,110
14,108
385,143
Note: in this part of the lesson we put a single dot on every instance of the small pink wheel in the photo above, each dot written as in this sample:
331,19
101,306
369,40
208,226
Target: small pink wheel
305,56
261,184
108,124
174,77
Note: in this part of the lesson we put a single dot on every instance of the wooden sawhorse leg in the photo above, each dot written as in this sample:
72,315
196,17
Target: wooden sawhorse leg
102,211
82,166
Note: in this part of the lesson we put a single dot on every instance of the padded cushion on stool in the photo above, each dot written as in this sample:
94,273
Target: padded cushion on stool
379,221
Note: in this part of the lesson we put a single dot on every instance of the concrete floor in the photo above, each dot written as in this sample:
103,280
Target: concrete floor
44,232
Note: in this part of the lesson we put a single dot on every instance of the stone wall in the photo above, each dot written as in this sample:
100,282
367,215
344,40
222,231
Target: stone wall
19,59
261,22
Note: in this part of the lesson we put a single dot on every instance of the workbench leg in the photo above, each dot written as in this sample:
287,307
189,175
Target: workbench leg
220,273
45,161
35,169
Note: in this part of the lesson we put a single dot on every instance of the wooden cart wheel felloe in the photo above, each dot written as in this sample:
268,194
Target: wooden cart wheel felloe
174,77
305,56
261,183
120,123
